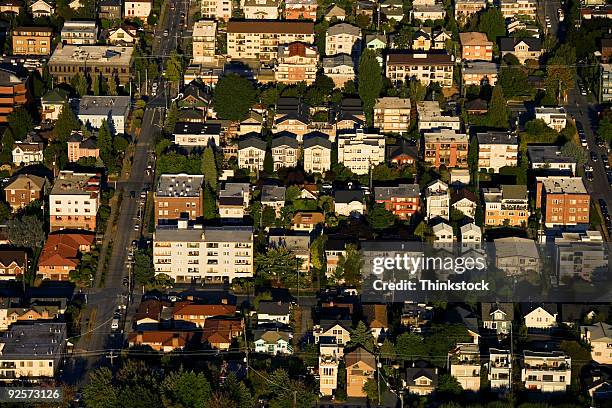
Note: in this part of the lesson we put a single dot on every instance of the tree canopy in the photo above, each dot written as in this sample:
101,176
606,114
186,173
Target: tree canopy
370,82
233,97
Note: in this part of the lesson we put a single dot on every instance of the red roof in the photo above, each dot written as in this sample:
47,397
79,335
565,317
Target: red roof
194,309
62,249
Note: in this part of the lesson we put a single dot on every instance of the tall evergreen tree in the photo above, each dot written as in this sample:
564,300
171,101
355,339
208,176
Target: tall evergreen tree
65,124
105,143
209,206
268,164
370,82
171,118
112,87
209,168
95,85
79,84
20,123
497,116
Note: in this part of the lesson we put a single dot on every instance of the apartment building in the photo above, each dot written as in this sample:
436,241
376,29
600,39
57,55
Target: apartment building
51,103
301,10
32,40
430,117
32,352
24,189
317,153
464,9
605,75
360,367
285,150
403,201
343,38
137,9
178,196
260,9
475,46
273,197
114,110
340,68
251,153
197,134
437,199
506,204
74,201
110,9
13,264
480,73
580,255
523,49
599,337
465,366
392,114
297,62
79,32
500,370
360,151
260,39
516,256
425,67
231,207
550,158
554,116
446,147
516,8
563,200
61,254
112,62
80,147
328,374
204,41
497,150
187,252
26,153
197,313
549,371
216,9
14,91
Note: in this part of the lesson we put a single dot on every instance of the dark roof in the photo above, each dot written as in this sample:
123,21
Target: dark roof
402,190
230,200
57,95
316,139
346,196
89,143
7,256
273,308
463,316
476,105
418,58
463,193
196,128
252,140
402,149
497,137
486,309
508,44
270,26
413,373
285,138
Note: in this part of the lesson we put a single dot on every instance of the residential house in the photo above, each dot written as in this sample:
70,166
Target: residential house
273,342
300,10
178,196
392,114
231,207
197,134
403,154
421,39
443,234
403,201
497,317
328,373
339,329
221,253
216,9
475,46
580,255
260,9
273,197
122,35
80,147
21,311
334,249
465,9
291,115
599,337
307,220
471,236
23,189
164,341
425,67
465,201
360,367
523,49
114,110
437,199
237,190
263,37
204,41
52,104
375,316
196,314
42,8
273,312
335,12
446,147
340,68
285,150
480,73
416,316
465,366
516,256
79,32
496,150
253,123
441,39
317,153
375,42
74,201
360,150
137,9
32,352
298,242
13,263
420,379
297,62
14,90
61,254
422,12
343,38
349,202
110,9
551,160
554,117
546,371
563,200
251,153
431,117
500,370
392,10
506,205
26,153
10,7
541,316
518,8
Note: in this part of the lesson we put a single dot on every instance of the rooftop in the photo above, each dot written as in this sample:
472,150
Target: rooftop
272,193
198,233
197,128
179,185
402,190
270,26
36,341
390,102
474,38
69,182
98,54
563,185
547,154
419,58
497,138
104,105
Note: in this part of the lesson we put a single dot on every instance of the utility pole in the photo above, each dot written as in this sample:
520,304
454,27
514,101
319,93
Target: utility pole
112,356
378,378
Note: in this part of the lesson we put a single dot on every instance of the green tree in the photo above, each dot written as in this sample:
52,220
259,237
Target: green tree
473,157
209,205
174,67
447,384
416,90
268,164
371,389
144,272
120,144
561,71
112,87
5,211
20,123
370,82
605,128
209,168
268,217
95,85
233,97
362,336
380,218
99,391
171,118
492,23
317,252
410,347
278,265
65,124
497,116
105,143
26,231
571,149
185,389
513,80
349,265
79,84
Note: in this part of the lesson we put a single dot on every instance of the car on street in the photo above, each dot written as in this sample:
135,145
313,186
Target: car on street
143,195
593,156
589,175
137,227
115,323
165,33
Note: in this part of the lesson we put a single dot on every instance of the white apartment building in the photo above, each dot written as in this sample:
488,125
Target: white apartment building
360,151
580,255
342,38
74,201
437,198
93,110
392,114
465,365
497,150
285,150
425,67
251,153
317,153
554,117
340,68
515,8
500,370
328,374
137,9
204,41
216,9
430,117
79,32
546,371
189,253
261,9
196,134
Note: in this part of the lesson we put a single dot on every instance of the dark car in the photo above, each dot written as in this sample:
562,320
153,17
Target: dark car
593,156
